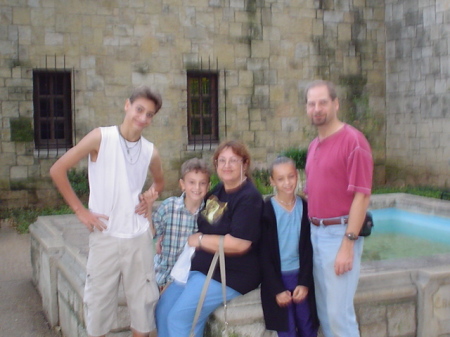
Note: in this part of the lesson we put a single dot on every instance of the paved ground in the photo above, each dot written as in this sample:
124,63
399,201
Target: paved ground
21,311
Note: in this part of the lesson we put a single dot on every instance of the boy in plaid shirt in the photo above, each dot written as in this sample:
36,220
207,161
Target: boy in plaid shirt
176,218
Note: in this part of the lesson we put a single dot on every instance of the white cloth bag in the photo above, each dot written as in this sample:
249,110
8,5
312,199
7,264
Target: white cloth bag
180,270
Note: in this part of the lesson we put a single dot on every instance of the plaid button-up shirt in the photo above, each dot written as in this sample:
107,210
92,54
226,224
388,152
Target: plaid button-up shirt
174,223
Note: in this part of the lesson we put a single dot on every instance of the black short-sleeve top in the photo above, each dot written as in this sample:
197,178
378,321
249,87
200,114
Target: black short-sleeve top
237,213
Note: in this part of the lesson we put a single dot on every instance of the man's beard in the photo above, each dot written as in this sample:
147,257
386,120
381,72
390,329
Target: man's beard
321,120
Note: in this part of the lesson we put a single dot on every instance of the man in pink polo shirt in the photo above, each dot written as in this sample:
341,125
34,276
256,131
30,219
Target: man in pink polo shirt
339,172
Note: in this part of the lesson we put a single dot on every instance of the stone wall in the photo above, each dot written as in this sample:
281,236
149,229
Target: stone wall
265,52
418,92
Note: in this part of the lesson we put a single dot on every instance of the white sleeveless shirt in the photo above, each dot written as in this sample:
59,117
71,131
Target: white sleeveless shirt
115,184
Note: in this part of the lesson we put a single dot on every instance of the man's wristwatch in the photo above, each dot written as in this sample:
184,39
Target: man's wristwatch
351,236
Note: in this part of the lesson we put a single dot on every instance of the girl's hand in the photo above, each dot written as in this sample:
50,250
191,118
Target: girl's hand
284,298
299,294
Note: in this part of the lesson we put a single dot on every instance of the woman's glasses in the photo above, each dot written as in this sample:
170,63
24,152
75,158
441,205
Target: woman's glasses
231,162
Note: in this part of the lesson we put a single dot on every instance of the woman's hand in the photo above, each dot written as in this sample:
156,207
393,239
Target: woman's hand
195,240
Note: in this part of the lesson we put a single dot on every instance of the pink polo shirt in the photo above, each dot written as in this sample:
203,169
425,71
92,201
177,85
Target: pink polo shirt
336,168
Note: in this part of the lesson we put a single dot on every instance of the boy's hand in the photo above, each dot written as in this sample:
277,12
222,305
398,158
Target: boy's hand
299,294
158,246
284,298
146,201
91,220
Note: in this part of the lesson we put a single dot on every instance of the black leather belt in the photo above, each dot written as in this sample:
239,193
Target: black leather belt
329,221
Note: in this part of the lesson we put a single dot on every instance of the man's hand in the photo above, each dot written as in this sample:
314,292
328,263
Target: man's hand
344,257
91,220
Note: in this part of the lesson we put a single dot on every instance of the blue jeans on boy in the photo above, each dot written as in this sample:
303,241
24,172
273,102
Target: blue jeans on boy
334,294
176,308
299,314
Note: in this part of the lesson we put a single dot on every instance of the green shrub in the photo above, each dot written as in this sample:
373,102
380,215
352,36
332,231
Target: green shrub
79,181
297,155
22,218
21,130
214,180
261,179
424,191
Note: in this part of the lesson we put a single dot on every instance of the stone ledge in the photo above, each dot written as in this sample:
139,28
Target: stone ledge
395,298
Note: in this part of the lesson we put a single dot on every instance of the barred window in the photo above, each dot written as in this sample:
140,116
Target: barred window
202,107
52,97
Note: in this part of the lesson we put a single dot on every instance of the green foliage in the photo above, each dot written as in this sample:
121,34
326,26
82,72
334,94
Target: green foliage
355,83
22,218
261,178
17,63
21,130
79,181
424,191
214,180
298,155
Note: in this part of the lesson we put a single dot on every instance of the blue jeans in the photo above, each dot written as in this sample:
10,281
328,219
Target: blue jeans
334,294
299,314
176,308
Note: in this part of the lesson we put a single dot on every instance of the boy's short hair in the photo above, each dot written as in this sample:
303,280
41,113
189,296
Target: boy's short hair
196,165
144,91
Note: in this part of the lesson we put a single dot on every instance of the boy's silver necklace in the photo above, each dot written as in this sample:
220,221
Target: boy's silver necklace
130,149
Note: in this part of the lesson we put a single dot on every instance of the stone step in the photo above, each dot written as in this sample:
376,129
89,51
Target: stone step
244,317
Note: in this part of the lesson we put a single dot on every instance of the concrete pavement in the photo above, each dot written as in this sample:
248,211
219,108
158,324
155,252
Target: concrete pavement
21,311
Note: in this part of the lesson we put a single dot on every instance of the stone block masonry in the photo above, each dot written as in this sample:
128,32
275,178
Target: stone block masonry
389,58
418,87
264,53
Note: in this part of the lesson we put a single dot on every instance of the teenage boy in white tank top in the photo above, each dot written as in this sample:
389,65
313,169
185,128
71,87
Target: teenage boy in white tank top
120,242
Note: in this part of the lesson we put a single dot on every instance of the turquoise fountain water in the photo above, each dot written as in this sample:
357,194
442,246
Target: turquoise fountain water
403,234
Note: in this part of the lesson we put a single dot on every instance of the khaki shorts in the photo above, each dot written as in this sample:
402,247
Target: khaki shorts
110,260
